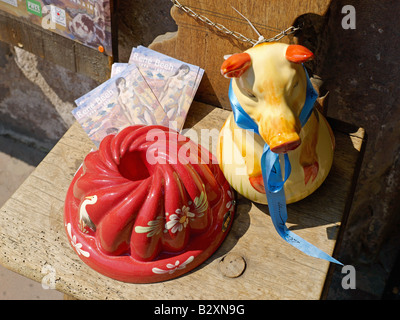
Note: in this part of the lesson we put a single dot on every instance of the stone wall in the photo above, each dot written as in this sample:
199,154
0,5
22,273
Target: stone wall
361,72
140,22
36,97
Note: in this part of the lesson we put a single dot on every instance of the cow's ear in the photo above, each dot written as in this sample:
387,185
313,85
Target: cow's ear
298,54
235,65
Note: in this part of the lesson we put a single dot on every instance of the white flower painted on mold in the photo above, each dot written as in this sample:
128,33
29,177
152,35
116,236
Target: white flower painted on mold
230,203
76,245
179,219
173,267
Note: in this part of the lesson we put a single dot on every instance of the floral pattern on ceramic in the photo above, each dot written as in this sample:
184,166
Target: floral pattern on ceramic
178,220
171,268
76,245
153,227
134,214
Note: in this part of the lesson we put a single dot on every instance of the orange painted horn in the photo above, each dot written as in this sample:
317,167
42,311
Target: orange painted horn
236,65
298,54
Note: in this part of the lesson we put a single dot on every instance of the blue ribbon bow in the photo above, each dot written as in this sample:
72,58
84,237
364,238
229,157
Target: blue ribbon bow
272,175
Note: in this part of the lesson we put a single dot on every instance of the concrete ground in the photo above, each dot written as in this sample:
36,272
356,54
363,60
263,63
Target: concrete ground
17,161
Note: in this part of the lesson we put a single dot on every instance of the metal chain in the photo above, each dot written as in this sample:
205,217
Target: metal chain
235,34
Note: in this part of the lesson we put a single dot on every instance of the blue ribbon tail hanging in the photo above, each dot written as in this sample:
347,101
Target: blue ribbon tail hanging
272,175
277,204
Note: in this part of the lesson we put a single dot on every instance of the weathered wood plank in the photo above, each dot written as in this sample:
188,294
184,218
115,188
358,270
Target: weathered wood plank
200,44
32,232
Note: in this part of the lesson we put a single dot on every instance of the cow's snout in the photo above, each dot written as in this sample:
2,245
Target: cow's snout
282,135
288,144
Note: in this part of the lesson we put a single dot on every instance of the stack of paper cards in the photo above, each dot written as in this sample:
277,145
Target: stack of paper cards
173,82
151,89
124,100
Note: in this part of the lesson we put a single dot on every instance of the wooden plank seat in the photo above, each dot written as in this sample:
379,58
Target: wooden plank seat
252,263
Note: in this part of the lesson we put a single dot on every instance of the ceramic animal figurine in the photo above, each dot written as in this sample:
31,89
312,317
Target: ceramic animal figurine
270,83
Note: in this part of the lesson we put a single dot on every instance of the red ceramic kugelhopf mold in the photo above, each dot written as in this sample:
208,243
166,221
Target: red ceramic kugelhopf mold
148,206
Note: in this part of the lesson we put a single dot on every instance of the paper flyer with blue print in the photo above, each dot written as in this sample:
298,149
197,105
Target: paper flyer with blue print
125,99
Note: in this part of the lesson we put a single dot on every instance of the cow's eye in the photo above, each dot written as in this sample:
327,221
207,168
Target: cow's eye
250,94
296,84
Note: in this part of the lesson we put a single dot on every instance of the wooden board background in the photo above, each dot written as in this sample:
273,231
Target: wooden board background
200,44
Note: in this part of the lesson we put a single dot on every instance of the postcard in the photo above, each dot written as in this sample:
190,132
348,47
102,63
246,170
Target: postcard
118,67
172,81
123,100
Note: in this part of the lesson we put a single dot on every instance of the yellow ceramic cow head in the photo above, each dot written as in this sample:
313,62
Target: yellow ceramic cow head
269,82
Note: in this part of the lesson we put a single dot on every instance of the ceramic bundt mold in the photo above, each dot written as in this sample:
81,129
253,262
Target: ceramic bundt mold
148,206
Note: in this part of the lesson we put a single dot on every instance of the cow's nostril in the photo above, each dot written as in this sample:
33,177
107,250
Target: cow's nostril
286,146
